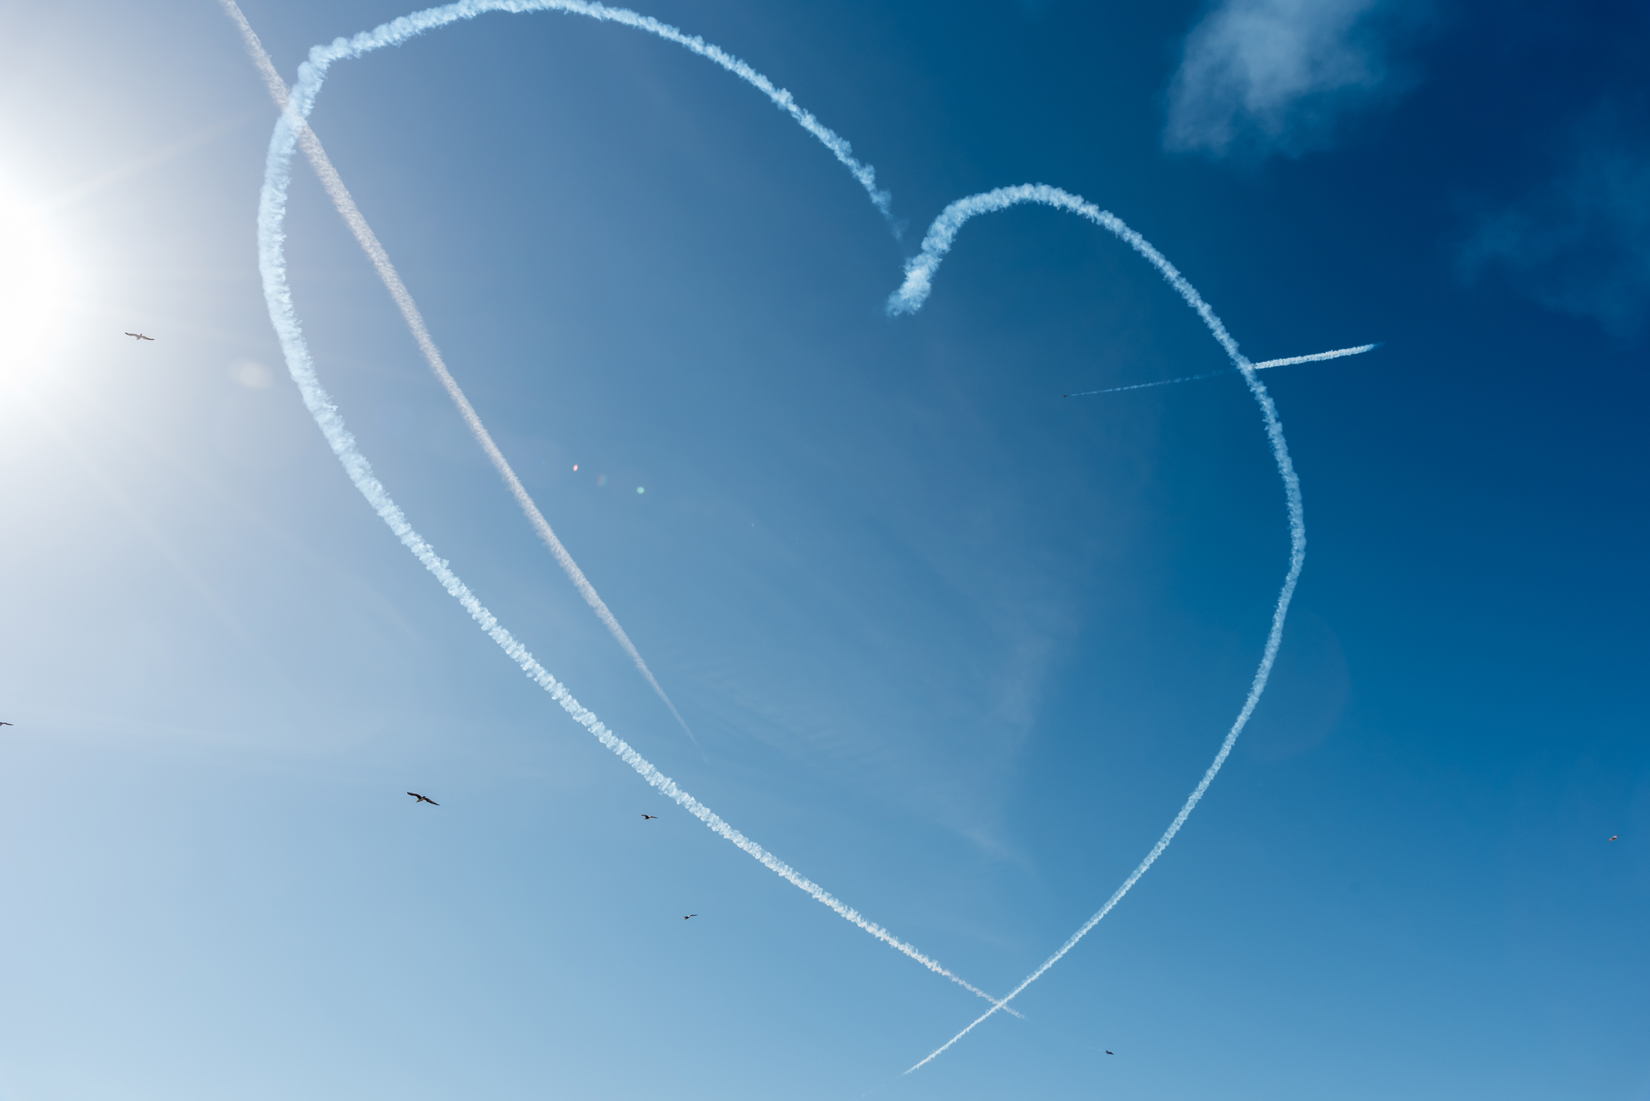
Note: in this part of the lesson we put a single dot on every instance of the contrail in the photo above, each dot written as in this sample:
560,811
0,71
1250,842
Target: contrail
1290,361
352,216
272,204
919,274
1316,357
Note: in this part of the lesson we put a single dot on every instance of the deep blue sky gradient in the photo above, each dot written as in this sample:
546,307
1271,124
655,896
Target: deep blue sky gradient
956,648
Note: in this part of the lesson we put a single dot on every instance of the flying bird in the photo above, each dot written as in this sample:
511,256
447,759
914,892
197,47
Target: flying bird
139,336
1613,836
690,916
14,724
655,816
1111,1053
423,798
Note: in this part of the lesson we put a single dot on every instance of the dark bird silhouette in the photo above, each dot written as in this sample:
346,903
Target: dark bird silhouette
1612,836
423,798
139,336
655,816
690,916
1111,1053
14,724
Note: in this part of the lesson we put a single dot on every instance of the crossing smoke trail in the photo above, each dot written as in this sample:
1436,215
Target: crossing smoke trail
1316,357
272,203
919,274
399,30
341,198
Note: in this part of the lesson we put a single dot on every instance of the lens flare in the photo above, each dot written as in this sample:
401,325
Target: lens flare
36,288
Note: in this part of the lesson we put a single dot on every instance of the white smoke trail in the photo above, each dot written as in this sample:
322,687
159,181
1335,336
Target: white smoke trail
345,203
919,274
397,31
1149,385
283,316
1315,357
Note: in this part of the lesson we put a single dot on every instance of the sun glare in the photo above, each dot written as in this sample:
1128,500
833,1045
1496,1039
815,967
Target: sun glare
36,289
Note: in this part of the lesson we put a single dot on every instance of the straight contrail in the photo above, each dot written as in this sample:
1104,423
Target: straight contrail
272,204
919,274
1316,357
341,198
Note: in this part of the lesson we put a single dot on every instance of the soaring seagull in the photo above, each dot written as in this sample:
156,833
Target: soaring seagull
690,916
423,798
139,336
650,816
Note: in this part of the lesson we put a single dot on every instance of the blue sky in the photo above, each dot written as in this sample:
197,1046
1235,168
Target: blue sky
956,648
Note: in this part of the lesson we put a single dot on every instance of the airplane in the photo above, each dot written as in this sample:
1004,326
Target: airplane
650,816
139,336
423,799
690,916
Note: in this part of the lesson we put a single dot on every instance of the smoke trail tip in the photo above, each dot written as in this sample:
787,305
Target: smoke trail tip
911,295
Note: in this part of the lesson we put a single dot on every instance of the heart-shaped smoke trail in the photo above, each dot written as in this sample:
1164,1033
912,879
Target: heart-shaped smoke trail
290,130
910,296
919,274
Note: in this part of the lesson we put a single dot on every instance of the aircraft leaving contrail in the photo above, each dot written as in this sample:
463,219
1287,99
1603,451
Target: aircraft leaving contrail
919,274
357,223
1316,357
272,203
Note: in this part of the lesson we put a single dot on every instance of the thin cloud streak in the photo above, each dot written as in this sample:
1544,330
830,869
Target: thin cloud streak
1290,361
919,275
283,317
345,204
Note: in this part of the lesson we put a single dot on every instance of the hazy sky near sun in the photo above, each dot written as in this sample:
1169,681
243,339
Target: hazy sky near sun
956,648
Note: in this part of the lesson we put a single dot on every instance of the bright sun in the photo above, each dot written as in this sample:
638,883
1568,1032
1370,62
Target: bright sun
36,289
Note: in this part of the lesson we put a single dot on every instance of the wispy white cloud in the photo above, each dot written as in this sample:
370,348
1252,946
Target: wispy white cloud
1580,242
1264,76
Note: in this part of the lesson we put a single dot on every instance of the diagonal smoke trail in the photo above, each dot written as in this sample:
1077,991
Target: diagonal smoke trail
272,204
1315,357
341,198
1149,385
919,274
